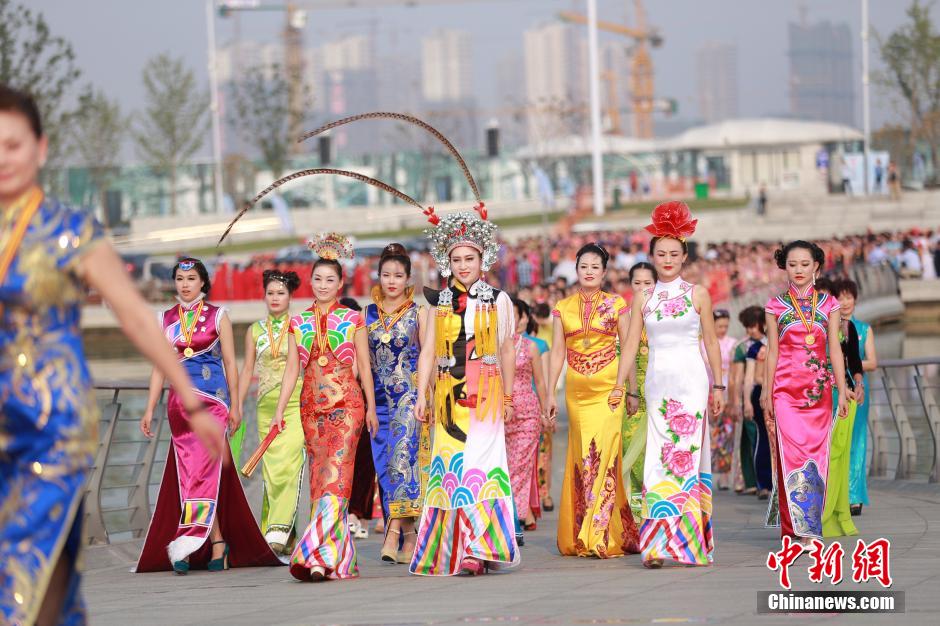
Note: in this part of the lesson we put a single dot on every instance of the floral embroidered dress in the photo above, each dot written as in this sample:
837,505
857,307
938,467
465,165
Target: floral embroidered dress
722,426
677,480
401,449
802,398
282,466
522,433
48,414
595,517
195,488
468,511
332,411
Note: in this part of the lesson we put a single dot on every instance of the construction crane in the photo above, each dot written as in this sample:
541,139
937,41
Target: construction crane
641,66
295,22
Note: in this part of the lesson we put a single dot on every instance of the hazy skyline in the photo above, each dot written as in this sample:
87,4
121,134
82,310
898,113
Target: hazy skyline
114,38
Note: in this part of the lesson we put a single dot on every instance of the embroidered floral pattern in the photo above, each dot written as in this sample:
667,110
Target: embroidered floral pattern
674,308
679,424
584,478
822,378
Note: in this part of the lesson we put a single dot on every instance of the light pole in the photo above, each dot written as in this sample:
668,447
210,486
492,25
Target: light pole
214,107
597,163
866,103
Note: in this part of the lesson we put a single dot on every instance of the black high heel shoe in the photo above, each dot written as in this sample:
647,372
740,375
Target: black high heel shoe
221,563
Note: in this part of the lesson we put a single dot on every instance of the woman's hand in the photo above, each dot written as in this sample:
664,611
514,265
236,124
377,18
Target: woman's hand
843,406
860,394
372,422
277,421
718,402
209,432
234,419
749,409
614,399
552,409
633,405
145,423
421,409
548,423
767,404
508,412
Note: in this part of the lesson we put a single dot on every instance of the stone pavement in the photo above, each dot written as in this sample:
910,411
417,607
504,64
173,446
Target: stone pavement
546,588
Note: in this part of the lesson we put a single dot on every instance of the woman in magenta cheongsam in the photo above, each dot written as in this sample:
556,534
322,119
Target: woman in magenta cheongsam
201,498
801,324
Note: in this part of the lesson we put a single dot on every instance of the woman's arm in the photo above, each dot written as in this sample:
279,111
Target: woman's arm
425,367
750,369
248,370
617,394
556,361
365,379
227,340
838,361
770,369
103,270
507,367
703,302
288,382
870,363
154,392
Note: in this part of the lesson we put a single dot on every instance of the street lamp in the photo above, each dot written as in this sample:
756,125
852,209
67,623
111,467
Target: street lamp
597,163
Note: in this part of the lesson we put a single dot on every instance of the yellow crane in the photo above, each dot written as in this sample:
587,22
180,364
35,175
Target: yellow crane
641,67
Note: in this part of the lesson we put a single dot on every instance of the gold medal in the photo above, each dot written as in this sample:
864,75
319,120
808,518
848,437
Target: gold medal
810,339
322,361
386,337
188,352
644,350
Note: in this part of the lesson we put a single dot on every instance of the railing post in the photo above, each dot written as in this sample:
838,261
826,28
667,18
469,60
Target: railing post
95,529
140,500
907,444
932,414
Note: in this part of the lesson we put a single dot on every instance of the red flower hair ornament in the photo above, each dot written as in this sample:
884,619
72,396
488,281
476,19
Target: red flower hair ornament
672,219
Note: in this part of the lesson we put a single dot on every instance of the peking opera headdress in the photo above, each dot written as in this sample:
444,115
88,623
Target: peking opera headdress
464,228
672,220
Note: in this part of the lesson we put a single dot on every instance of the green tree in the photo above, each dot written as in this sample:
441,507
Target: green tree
40,63
262,116
97,135
173,125
911,56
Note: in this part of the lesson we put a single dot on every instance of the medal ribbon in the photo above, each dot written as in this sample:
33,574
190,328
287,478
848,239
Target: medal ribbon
189,329
323,345
799,310
276,346
29,204
394,316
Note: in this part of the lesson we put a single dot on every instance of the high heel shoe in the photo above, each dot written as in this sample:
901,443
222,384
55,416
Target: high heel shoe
653,564
317,574
473,567
181,567
404,556
221,563
390,555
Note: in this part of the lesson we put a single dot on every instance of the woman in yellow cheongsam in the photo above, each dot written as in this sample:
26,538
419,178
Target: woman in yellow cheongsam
595,517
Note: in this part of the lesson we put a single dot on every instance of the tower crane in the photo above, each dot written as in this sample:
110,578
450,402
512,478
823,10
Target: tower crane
641,66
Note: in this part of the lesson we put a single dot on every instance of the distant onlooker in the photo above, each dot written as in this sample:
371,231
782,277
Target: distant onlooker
894,181
762,200
846,178
911,266
879,175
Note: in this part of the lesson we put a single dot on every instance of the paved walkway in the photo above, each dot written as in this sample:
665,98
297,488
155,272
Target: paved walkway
546,589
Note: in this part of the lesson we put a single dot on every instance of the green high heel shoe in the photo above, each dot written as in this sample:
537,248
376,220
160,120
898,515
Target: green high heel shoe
221,563
181,567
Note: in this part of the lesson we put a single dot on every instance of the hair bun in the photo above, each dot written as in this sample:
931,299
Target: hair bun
394,249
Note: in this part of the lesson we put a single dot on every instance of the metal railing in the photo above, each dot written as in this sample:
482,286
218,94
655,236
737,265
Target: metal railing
122,489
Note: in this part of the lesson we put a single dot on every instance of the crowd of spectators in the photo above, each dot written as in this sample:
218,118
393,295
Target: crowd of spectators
544,271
